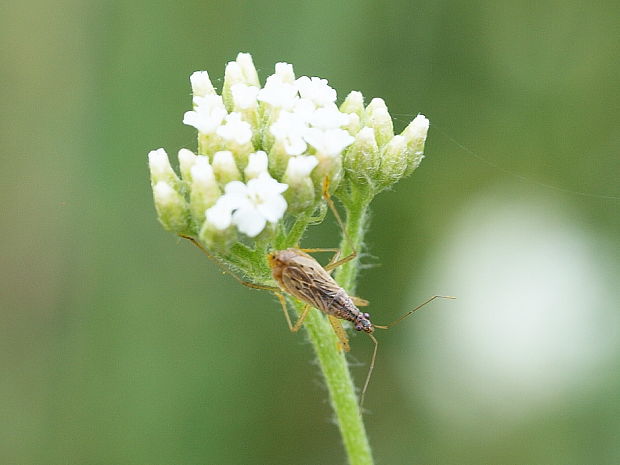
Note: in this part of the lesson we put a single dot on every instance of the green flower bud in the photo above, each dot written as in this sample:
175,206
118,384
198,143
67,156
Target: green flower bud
257,165
361,160
240,71
278,159
300,194
248,69
204,190
377,117
237,134
354,125
393,162
415,136
171,208
354,103
187,158
161,169
225,168
217,239
330,167
201,84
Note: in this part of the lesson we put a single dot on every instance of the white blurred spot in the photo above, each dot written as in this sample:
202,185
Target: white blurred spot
535,319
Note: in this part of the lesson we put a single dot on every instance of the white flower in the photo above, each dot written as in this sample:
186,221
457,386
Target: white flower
249,206
330,142
290,129
201,84
235,129
300,167
257,165
328,117
278,94
316,89
304,109
219,216
244,96
207,115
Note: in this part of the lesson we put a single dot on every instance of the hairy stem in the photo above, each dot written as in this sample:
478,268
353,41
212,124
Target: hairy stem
355,227
332,360
343,398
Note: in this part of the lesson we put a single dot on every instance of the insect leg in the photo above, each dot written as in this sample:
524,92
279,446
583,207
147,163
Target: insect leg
370,368
302,317
339,330
284,309
332,206
226,270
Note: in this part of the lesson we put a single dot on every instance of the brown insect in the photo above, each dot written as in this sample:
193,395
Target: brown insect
301,276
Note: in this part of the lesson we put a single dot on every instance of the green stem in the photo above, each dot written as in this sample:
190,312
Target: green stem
341,389
355,227
332,360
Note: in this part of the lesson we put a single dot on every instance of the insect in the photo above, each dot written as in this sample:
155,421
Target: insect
298,274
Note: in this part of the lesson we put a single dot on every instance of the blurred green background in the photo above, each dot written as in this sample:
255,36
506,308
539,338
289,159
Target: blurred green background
121,345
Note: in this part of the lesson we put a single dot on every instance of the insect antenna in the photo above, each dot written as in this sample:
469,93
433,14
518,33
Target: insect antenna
376,342
401,318
370,368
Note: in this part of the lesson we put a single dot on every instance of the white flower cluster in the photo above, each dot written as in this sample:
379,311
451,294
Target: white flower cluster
265,151
251,138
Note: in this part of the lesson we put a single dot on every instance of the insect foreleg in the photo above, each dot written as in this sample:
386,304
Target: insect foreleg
332,206
340,333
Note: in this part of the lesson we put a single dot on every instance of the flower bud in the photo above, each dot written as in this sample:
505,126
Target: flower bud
217,232
171,208
354,124
246,104
248,70
187,158
393,162
237,134
300,194
361,160
204,189
240,71
225,168
354,103
201,84
377,117
284,72
161,169
415,137
257,164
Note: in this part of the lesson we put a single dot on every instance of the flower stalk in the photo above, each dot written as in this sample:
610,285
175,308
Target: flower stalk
257,182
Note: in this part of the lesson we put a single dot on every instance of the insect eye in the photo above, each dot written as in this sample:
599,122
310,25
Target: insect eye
358,327
366,315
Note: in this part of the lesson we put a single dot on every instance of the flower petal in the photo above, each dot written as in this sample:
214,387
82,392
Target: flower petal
273,208
249,221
